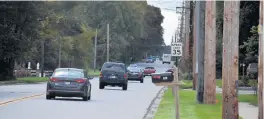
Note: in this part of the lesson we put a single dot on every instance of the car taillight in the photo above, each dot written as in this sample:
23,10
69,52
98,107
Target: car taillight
125,75
53,79
156,77
80,80
101,75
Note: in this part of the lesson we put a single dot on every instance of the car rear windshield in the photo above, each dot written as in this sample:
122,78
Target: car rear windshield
134,69
149,68
113,66
68,73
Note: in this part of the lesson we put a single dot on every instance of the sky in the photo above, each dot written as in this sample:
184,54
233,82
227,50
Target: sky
170,21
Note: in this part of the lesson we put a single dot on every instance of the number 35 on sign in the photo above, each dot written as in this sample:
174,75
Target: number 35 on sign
176,49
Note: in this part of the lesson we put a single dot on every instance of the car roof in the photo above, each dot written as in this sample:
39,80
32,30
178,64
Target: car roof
76,69
114,63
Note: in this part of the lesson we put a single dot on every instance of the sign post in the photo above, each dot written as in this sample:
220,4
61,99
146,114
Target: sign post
176,51
171,78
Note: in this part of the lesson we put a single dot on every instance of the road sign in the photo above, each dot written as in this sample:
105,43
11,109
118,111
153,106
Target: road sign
176,49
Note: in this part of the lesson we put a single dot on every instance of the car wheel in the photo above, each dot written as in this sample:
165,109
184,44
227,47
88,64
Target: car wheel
85,98
89,97
124,87
52,96
101,86
48,97
141,81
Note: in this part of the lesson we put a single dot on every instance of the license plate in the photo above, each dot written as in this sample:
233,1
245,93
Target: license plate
165,78
67,83
112,77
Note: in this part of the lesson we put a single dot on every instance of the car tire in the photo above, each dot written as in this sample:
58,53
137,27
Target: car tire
142,80
53,96
101,86
85,98
48,97
124,87
89,97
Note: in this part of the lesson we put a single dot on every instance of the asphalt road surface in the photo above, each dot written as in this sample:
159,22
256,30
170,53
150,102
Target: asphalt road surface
110,103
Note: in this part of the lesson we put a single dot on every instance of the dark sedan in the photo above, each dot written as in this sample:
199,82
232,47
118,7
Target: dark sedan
135,74
69,82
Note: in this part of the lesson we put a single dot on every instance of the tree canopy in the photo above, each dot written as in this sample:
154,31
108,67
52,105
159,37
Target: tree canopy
25,25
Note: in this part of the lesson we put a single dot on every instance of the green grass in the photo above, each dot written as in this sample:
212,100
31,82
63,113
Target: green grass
189,109
188,84
91,72
249,98
26,80
33,79
219,83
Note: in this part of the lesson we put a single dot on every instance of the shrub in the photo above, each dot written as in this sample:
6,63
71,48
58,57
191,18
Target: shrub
254,84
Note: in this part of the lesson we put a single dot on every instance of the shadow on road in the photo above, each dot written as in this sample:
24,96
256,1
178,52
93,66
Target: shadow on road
114,89
68,99
133,82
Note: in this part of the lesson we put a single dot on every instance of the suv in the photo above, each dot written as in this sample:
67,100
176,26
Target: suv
113,74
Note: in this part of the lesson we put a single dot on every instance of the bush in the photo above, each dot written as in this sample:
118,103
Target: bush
244,81
22,73
186,76
254,84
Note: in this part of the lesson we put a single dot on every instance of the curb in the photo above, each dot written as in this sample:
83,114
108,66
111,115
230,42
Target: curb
151,110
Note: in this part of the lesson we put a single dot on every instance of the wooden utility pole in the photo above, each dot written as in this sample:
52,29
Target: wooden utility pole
176,92
42,57
230,60
187,31
194,50
260,62
200,15
95,49
107,48
210,53
182,23
60,52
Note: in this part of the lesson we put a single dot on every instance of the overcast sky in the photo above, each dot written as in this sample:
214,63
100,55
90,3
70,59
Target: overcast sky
168,10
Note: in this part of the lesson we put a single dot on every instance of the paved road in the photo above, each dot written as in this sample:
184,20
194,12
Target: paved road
110,103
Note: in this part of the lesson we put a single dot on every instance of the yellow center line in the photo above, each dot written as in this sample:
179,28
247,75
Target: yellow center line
20,99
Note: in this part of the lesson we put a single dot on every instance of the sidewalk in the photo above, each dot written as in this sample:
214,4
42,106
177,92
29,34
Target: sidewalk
246,111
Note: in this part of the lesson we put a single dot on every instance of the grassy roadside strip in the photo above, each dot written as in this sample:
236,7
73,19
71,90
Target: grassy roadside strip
189,109
248,98
91,72
33,80
27,80
188,84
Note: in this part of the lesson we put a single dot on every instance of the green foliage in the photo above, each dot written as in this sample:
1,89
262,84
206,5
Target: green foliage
71,25
254,85
251,46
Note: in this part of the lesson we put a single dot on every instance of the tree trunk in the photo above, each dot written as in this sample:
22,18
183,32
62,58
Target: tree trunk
7,69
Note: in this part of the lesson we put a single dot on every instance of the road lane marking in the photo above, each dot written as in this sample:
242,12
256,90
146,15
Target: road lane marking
20,99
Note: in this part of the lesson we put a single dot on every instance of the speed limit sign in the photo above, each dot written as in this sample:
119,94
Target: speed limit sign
176,49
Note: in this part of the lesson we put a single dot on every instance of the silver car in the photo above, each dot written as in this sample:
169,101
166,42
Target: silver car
69,82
